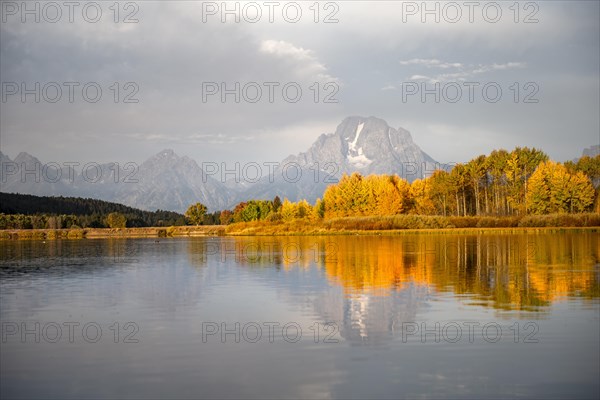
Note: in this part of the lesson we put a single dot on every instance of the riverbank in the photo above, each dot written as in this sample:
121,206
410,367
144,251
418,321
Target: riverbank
392,225
401,224
106,233
397,232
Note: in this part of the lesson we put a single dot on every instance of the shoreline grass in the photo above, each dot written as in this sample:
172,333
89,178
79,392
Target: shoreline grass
107,233
399,224
391,225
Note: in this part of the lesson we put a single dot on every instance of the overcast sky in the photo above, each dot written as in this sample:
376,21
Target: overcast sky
369,61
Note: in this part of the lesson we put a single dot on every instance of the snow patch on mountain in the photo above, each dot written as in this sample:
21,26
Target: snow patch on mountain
359,128
356,156
359,160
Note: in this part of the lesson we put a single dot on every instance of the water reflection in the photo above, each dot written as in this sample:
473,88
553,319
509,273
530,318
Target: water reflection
156,273
374,283
512,272
367,286
519,272
29,256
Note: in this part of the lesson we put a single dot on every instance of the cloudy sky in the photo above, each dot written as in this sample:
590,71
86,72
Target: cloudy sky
382,58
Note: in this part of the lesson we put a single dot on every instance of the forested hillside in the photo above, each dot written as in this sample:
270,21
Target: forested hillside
26,211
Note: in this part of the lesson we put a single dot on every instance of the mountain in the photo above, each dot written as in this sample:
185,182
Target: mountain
164,181
167,181
369,146
26,174
592,151
360,144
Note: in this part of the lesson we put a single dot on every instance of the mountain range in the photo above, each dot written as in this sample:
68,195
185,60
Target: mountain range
167,181
359,144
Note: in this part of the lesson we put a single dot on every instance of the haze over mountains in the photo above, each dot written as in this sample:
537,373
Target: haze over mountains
170,182
165,181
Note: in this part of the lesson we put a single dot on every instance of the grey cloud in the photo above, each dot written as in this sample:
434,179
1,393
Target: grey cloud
369,54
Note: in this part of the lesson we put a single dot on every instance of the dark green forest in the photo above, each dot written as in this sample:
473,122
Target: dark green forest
22,211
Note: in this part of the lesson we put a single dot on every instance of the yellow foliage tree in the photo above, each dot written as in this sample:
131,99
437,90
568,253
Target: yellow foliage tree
116,220
377,195
318,211
421,197
195,213
391,194
303,209
552,189
289,210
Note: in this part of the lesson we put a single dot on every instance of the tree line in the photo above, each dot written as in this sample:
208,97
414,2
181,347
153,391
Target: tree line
21,211
517,183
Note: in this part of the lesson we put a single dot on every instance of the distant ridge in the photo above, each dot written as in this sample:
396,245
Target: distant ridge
165,181
171,182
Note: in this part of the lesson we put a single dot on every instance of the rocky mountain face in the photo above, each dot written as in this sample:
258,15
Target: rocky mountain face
169,182
167,179
369,146
359,144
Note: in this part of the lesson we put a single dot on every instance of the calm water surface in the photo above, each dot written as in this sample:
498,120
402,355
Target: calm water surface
435,316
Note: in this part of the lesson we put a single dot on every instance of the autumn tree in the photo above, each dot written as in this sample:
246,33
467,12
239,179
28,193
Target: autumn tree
421,202
237,211
354,195
288,210
226,217
372,195
519,167
195,213
252,210
335,203
502,183
496,167
440,190
553,189
590,166
318,211
391,194
459,181
116,220
475,173
304,209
